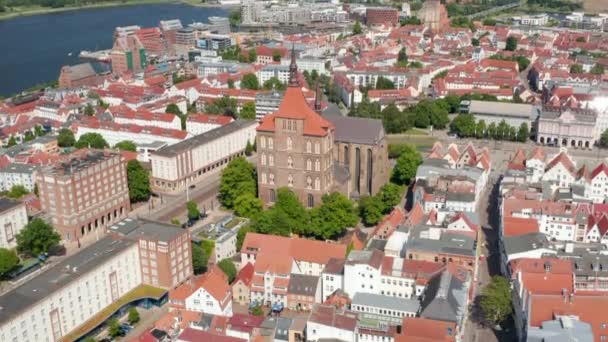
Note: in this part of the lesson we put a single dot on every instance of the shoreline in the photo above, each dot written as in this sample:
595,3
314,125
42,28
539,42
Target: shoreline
47,10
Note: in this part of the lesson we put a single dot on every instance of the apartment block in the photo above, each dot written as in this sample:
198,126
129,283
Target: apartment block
85,194
13,217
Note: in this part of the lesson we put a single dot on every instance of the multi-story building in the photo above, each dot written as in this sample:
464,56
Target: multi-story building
184,40
128,54
200,123
138,262
209,294
389,310
278,71
177,166
267,103
85,194
13,217
151,40
18,174
79,75
114,133
382,16
567,127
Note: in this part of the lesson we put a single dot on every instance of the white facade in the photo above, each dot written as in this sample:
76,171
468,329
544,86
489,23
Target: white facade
18,174
174,123
316,331
202,301
196,128
308,64
112,137
279,71
225,245
361,278
12,221
331,282
68,307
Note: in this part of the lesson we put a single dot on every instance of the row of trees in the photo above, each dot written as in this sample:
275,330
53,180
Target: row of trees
27,136
422,115
597,69
465,126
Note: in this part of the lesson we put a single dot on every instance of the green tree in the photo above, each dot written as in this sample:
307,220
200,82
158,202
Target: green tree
114,328
295,213
253,56
229,269
248,149
416,65
502,130
238,178
274,83
480,129
248,111
133,317
276,55
193,212
402,58
257,311
390,195
248,205
29,136
406,166
491,132
413,20
496,300
463,125
393,119
604,138
91,140
175,221
173,109
36,238
357,29
489,22
11,141
126,145
17,191
581,40
475,42
511,44
89,110
138,179
250,81
333,216
199,259
39,131
225,105
384,83
371,210
598,69
230,83
235,18
66,138
240,236
576,69
523,133
8,261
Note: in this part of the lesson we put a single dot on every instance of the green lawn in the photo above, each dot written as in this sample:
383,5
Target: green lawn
140,292
421,142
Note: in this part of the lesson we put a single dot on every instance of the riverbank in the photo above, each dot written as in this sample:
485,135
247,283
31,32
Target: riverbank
19,11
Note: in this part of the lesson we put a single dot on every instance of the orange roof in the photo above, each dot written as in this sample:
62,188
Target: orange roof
426,330
215,282
267,262
278,247
514,226
589,309
295,106
168,320
245,275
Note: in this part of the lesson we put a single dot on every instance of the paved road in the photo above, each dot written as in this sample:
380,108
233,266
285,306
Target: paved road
493,10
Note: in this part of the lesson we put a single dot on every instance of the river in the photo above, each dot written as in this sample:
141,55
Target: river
35,47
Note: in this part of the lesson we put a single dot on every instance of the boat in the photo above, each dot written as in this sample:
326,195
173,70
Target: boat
70,54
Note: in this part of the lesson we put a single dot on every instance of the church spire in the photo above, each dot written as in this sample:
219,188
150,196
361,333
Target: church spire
293,69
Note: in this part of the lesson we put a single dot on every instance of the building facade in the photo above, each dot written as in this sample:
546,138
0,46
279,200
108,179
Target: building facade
176,167
569,127
13,217
85,194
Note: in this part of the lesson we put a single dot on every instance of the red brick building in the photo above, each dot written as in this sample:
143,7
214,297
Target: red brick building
85,194
80,75
382,16
151,39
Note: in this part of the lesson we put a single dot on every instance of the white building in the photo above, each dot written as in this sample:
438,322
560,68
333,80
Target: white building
281,72
18,174
122,115
13,217
176,167
212,295
535,20
308,64
362,272
332,277
387,309
200,123
140,135
328,322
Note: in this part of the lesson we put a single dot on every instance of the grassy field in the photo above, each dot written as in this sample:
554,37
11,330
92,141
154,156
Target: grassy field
421,140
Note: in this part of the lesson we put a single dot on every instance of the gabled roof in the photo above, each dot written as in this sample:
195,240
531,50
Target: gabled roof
294,106
602,168
245,275
564,159
513,226
417,329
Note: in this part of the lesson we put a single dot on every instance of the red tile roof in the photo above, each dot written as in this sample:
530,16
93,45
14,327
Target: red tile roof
297,248
426,330
245,323
294,106
195,335
245,275
513,226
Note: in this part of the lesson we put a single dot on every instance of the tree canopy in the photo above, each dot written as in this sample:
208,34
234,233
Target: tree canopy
199,259
65,138
173,109
225,105
576,69
133,317
126,145
91,140
8,261
17,191
511,44
238,178
373,208
275,83
333,216
496,300
193,212
248,205
229,269
250,81
357,29
36,238
402,58
248,111
406,166
384,83
138,180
